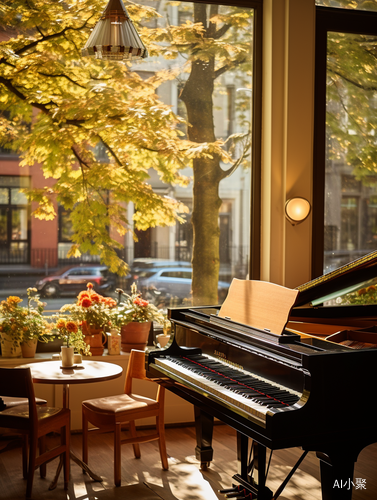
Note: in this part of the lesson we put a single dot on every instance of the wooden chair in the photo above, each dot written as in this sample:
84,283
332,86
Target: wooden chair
8,402
110,413
33,421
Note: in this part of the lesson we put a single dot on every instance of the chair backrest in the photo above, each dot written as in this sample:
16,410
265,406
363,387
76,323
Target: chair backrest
17,383
135,369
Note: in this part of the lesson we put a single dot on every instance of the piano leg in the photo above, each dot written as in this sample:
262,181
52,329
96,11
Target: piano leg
336,476
204,432
252,476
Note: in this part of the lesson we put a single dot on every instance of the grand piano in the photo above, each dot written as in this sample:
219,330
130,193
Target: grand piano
255,364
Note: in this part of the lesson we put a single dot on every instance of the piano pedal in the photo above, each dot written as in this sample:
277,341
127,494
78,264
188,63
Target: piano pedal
237,493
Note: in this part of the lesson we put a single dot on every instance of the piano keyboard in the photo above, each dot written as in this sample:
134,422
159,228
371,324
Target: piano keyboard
250,394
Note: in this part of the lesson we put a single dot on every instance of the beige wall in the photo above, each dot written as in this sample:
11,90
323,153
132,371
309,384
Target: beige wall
287,137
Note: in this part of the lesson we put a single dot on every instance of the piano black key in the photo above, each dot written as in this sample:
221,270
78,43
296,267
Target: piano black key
251,387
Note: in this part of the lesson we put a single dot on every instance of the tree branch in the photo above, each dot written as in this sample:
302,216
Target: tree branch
62,76
50,37
227,67
352,82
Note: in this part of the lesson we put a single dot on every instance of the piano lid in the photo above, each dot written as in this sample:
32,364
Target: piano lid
343,280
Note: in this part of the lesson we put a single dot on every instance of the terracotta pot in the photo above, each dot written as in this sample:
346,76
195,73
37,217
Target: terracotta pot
94,336
135,336
8,350
29,348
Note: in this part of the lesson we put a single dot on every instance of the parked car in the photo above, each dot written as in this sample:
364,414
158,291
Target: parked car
171,282
74,279
141,264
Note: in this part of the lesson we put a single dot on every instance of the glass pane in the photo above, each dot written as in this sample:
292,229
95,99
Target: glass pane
349,4
351,157
19,224
3,226
211,92
14,181
65,225
18,198
4,196
18,252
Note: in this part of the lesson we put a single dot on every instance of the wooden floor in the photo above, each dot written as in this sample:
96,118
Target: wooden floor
145,480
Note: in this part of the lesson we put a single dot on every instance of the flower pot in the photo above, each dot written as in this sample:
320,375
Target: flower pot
29,347
94,336
135,336
68,354
8,349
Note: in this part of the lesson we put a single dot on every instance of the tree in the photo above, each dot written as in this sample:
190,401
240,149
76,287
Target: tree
218,40
83,103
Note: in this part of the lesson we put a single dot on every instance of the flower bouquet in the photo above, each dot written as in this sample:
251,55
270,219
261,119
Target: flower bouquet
94,314
70,332
134,316
23,326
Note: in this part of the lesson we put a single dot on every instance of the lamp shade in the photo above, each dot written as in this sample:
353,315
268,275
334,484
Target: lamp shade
114,37
297,210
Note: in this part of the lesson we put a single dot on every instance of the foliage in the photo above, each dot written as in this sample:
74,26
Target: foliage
87,104
24,323
367,295
135,309
351,113
350,4
70,332
91,308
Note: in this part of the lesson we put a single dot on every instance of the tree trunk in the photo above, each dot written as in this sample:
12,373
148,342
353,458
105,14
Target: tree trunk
197,96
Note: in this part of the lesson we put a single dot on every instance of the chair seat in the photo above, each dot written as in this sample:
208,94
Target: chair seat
22,411
120,403
9,402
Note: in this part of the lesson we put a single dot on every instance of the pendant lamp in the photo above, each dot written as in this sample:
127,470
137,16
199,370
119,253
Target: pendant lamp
114,37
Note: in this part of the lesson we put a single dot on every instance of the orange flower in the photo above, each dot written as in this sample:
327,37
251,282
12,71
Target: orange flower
111,302
95,297
83,294
86,302
89,286
71,326
140,302
13,300
60,324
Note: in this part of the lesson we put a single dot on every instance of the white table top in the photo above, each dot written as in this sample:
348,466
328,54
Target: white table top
50,372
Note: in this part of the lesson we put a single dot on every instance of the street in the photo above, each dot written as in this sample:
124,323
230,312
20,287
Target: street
18,285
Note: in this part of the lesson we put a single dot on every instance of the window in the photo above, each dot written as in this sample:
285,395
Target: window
14,220
345,142
348,4
212,92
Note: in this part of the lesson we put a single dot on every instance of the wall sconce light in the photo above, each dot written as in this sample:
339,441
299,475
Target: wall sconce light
297,210
114,37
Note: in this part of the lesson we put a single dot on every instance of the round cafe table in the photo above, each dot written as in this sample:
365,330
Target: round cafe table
51,372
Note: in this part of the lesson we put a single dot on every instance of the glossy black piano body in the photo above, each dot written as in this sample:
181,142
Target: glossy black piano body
333,415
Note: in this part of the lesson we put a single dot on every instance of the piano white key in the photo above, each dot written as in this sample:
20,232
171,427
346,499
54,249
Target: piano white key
251,408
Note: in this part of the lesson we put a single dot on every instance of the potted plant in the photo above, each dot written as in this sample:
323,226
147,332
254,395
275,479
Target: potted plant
134,316
70,332
93,313
22,327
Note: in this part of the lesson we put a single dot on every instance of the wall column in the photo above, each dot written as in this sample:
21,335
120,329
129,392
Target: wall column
287,137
